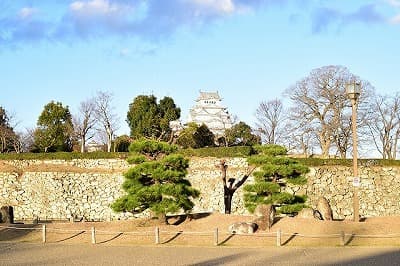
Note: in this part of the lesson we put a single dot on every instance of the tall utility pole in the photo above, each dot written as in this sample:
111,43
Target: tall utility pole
353,91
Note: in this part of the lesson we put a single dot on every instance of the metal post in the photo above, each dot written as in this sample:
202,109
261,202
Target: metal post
356,203
157,233
216,237
279,238
93,235
44,233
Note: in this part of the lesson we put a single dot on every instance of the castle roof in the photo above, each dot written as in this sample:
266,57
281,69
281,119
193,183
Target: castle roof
208,96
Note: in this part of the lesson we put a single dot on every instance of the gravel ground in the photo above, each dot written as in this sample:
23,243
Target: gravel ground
60,254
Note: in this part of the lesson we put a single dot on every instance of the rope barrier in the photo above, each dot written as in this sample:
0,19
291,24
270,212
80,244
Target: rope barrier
199,233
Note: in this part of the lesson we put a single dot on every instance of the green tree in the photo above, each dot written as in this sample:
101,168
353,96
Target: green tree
276,171
9,140
195,136
157,182
54,129
121,143
147,118
241,135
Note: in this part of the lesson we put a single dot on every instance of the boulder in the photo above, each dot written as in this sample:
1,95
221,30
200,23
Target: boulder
265,215
7,214
324,209
243,228
309,213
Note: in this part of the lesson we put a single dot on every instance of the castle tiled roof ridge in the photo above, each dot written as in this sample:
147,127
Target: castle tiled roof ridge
209,96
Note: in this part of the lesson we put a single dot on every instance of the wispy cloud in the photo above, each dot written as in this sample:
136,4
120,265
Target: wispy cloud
153,19
323,18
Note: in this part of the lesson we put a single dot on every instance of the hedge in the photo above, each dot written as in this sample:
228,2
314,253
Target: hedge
63,156
219,152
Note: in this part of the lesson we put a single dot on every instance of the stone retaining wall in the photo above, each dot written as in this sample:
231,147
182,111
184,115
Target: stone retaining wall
61,195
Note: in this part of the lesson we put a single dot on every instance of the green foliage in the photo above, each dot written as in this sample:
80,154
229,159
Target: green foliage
157,182
291,208
275,171
241,135
63,156
55,129
136,159
8,138
122,143
219,152
147,118
151,148
194,136
271,150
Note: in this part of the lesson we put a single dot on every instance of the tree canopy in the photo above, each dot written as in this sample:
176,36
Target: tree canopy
147,118
157,182
54,129
9,140
275,171
241,135
195,136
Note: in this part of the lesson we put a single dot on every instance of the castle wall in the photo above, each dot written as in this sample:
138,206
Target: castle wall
89,189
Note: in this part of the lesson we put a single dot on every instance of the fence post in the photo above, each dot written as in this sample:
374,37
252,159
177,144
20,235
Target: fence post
157,232
44,233
93,235
279,238
216,237
342,238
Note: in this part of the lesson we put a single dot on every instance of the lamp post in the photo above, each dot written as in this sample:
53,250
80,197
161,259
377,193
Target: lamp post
353,91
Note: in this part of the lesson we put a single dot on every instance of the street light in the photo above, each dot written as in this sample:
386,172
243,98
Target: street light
353,91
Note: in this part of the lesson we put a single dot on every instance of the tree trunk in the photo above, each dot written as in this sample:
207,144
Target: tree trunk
228,195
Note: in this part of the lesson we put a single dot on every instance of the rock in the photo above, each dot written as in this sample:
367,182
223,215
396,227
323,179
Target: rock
7,214
325,209
265,215
243,228
309,213
306,213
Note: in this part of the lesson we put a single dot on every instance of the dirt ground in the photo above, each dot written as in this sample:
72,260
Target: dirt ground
199,230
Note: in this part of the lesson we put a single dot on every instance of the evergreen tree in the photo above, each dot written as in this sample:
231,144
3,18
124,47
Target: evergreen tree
241,135
195,136
55,129
147,118
157,181
276,170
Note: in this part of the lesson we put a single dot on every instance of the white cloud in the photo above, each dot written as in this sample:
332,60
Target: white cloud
26,12
395,3
396,19
96,7
217,6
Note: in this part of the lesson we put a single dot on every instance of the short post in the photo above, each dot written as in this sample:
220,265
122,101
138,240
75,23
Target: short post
44,233
157,232
342,238
279,238
93,235
216,237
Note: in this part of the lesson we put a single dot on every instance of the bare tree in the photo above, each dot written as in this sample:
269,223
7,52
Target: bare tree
85,122
384,124
9,139
320,100
270,118
104,113
231,185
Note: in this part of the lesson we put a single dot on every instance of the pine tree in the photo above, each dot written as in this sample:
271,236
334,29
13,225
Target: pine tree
276,170
157,181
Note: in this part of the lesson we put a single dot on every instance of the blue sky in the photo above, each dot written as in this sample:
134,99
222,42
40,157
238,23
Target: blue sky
248,50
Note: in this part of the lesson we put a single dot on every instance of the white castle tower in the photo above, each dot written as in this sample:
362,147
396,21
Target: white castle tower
208,110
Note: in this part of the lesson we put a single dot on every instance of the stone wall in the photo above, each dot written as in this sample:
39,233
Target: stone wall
89,192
